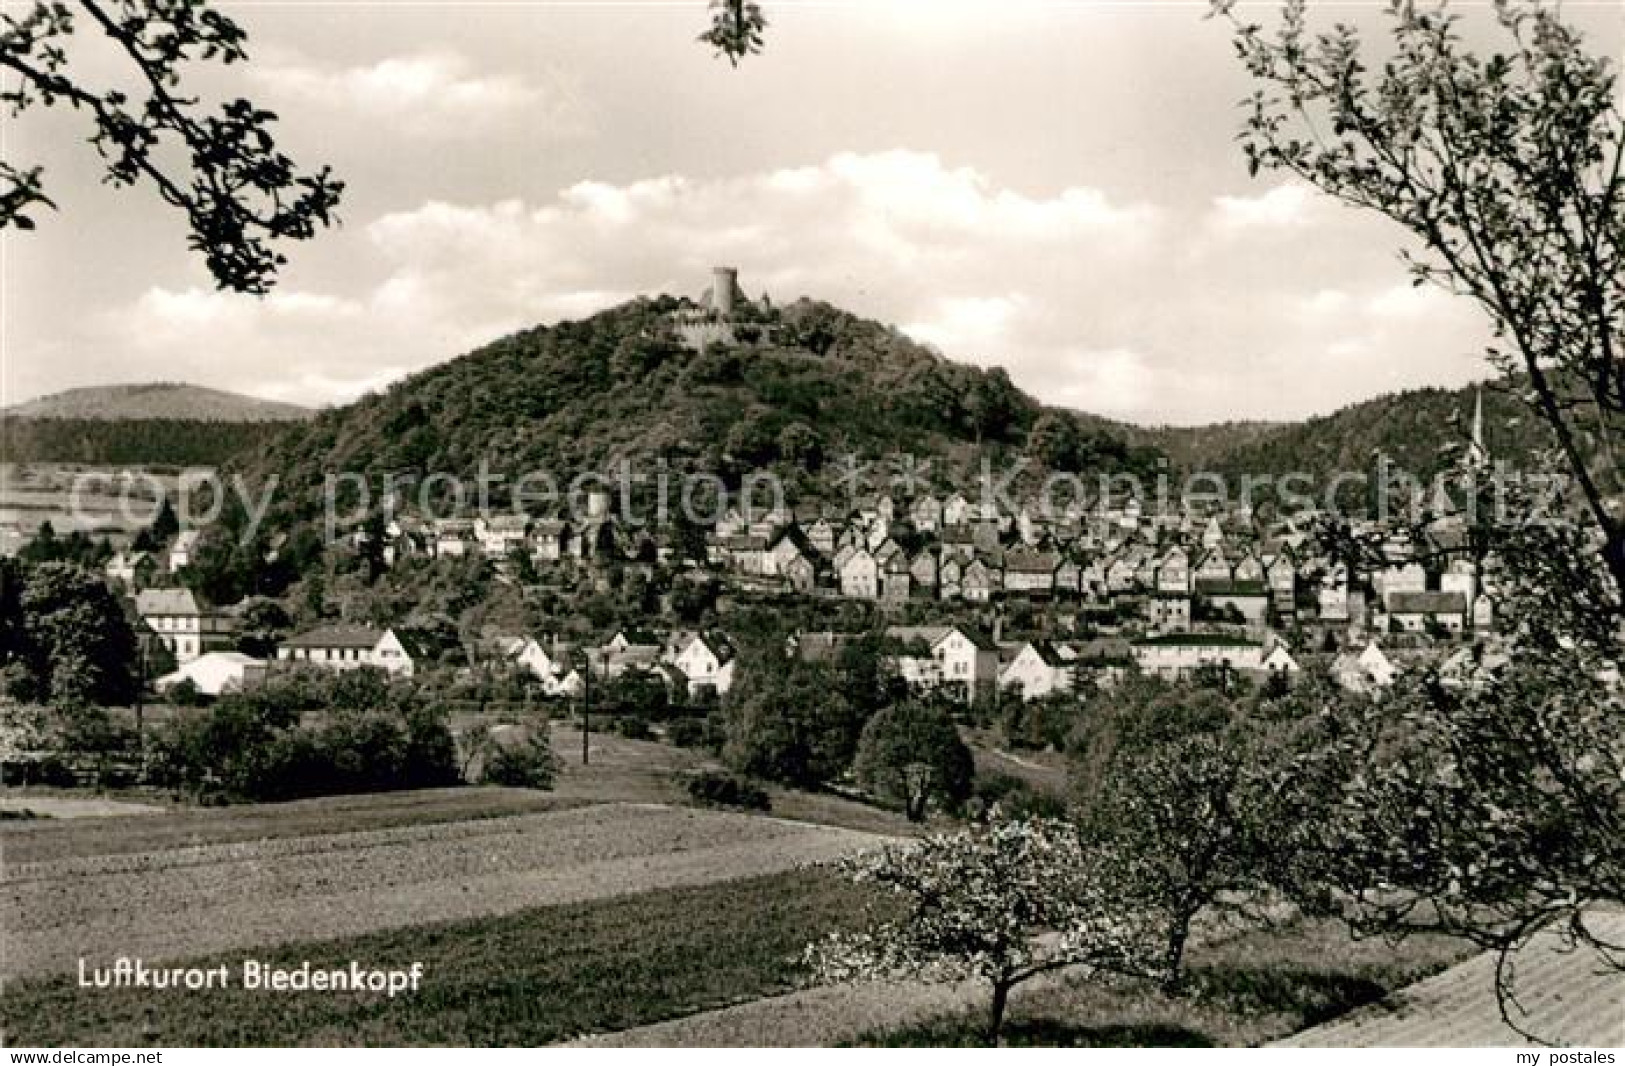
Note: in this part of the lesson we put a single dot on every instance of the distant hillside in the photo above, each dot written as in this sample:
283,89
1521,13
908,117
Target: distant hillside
161,400
1420,431
131,442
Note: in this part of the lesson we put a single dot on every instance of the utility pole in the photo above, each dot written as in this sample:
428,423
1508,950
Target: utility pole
586,703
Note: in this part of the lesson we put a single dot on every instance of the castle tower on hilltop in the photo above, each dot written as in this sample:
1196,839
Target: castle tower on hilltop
724,290
724,314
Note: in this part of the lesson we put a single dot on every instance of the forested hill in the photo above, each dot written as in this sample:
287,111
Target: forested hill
818,386
164,423
131,442
1420,431
821,385
168,401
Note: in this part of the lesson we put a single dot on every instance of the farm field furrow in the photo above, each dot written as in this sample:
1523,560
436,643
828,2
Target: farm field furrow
47,840
189,901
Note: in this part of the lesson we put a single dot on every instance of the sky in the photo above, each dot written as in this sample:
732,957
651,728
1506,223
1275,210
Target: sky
1051,187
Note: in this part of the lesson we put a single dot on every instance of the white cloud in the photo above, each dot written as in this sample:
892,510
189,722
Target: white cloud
1089,301
1115,382
1410,302
1326,302
967,323
1283,206
435,94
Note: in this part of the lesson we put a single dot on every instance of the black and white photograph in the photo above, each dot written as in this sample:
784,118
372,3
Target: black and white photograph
646,524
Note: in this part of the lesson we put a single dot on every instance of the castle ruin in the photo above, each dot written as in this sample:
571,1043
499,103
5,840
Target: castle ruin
715,318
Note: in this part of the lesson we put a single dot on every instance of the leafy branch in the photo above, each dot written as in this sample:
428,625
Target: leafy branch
240,194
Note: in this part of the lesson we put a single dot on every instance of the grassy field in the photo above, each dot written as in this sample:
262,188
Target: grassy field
1250,990
526,978
48,840
645,771
181,902
620,771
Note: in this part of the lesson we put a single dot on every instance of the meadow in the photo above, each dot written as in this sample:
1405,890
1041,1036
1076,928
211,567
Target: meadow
178,902
532,977
607,909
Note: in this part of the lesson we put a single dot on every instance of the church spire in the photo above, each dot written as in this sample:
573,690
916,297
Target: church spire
1478,456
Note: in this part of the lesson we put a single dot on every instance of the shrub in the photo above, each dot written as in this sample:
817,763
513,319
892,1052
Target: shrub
689,733
725,790
1016,798
254,746
528,764
632,727
184,693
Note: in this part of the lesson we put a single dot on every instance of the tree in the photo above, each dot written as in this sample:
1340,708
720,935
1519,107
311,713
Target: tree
800,443
1199,820
525,762
43,547
165,524
374,536
991,404
261,626
158,532
241,196
1053,441
1509,169
787,721
736,29
912,753
1001,904
23,729
76,641
185,693
1489,806
751,440
1487,801
639,693
1188,787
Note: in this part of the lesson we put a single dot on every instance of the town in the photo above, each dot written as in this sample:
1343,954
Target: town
1167,594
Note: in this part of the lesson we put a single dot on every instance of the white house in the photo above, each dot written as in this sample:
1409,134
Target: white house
453,537
979,582
1174,572
1039,669
213,673
957,511
132,569
349,647
1280,661
182,550
1030,573
1334,595
859,576
706,661
1365,670
955,661
926,514
337,647
549,541
184,626
1175,654
1168,610
501,535
547,666
1397,580
1415,611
